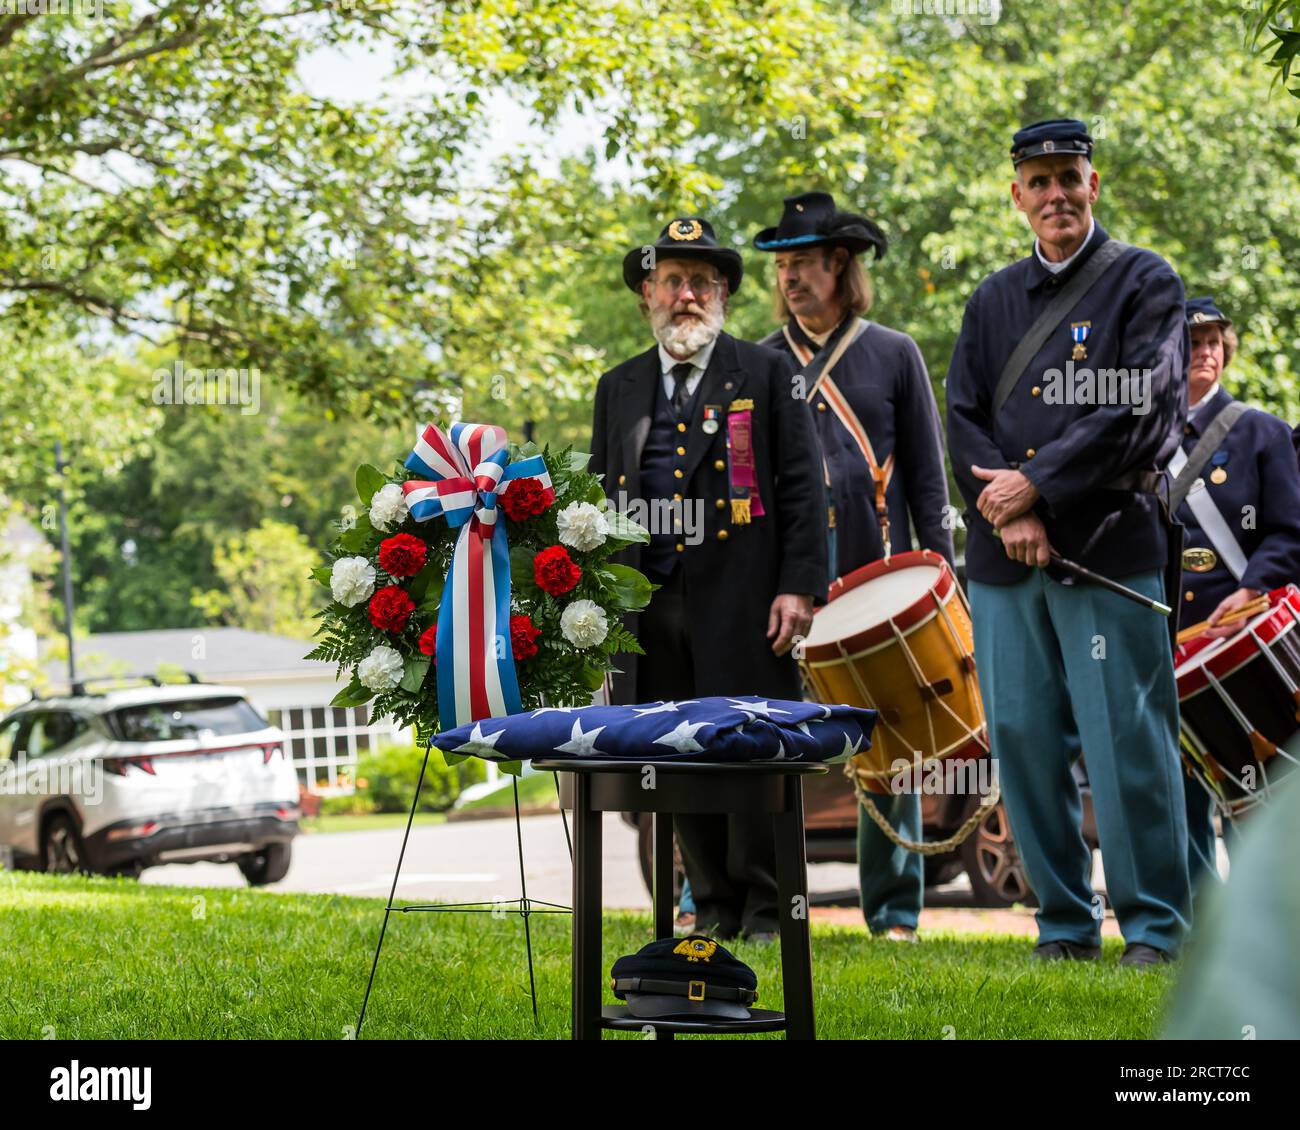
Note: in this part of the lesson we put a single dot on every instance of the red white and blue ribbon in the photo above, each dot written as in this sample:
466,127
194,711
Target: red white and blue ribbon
465,476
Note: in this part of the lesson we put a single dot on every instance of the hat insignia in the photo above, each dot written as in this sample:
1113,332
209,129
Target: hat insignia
1049,146
696,949
685,229
1200,317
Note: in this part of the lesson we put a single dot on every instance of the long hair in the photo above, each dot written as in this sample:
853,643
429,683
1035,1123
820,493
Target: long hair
852,290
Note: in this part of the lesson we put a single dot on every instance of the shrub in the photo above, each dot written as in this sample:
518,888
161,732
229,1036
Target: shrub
390,776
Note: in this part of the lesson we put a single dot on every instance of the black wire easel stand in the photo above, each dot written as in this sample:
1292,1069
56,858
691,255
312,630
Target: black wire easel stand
523,906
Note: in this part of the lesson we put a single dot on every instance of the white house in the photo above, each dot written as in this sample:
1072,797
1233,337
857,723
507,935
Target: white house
293,692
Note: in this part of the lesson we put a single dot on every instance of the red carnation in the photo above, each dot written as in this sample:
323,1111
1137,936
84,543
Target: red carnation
390,608
525,499
402,555
555,571
523,636
429,642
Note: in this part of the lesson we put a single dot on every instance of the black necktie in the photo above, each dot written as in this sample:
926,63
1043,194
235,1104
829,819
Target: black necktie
680,374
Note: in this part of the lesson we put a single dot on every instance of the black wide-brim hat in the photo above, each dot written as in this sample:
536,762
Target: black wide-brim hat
688,237
812,220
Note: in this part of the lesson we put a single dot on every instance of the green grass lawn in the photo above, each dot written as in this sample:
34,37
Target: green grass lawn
109,958
535,789
367,821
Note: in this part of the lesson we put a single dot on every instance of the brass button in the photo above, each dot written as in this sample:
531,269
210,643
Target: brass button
681,451
677,473
681,427
1187,430
1035,391
677,498
1189,596
821,406
719,464
721,504
679,547
622,479
723,535
1029,454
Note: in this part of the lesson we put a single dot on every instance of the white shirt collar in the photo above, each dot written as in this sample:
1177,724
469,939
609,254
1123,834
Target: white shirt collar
1197,408
1057,268
700,360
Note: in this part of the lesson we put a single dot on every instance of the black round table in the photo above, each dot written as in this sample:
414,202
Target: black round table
664,788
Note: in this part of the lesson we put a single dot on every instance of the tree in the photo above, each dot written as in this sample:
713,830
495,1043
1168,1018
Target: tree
266,573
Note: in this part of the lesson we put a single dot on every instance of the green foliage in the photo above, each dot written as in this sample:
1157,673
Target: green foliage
386,780
267,576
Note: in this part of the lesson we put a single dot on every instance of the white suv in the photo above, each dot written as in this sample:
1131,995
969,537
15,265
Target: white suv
128,779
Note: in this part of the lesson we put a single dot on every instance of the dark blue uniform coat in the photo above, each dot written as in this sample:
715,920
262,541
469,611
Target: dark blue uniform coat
1259,501
883,377
1134,319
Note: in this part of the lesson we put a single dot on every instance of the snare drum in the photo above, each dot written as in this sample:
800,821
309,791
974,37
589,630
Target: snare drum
1239,705
896,637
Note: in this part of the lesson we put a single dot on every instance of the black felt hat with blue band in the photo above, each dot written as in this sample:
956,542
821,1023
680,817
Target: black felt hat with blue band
812,220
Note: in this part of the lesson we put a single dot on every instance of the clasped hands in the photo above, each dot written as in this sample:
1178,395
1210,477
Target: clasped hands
1005,504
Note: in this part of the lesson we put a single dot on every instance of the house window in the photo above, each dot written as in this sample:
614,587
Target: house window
326,741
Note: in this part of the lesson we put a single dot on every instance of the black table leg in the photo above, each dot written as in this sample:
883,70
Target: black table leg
587,974
796,936
662,874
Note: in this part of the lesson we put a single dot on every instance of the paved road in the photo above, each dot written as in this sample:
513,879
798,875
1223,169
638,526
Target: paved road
465,861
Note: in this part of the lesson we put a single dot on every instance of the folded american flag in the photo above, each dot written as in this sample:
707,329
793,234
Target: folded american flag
704,729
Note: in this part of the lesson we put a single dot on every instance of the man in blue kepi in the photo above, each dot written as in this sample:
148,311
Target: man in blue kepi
1237,490
1066,392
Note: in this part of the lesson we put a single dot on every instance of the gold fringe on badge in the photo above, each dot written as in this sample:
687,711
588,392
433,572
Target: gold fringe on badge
741,406
740,512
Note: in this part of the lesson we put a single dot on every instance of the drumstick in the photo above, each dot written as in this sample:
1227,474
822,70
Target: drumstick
1256,606
1106,583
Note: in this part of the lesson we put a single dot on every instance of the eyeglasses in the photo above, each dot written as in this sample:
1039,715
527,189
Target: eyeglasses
699,284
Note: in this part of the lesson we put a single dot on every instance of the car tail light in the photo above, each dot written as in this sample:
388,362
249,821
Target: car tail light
135,831
119,765
283,813
269,751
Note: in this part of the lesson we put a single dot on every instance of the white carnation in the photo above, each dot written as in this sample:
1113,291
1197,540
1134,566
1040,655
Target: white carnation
584,623
387,507
352,580
381,670
582,526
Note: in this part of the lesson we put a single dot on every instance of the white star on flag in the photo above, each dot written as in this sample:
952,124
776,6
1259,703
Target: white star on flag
480,744
682,738
663,707
758,708
780,751
554,710
584,745
849,748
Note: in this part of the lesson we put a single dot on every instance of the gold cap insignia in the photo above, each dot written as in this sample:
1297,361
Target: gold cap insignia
1049,146
696,949
685,229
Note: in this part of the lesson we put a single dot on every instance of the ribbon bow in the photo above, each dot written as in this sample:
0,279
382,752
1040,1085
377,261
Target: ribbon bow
465,476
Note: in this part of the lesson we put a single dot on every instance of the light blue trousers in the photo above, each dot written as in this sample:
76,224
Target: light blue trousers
1070,669
892,878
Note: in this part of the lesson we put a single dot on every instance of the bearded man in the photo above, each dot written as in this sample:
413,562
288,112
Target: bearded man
702,439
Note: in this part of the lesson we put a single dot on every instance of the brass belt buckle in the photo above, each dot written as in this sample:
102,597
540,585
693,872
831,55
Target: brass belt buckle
695,990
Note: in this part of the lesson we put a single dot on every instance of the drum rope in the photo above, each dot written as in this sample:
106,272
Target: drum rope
939,847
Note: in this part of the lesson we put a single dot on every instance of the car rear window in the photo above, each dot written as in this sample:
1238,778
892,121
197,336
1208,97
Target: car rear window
185,718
